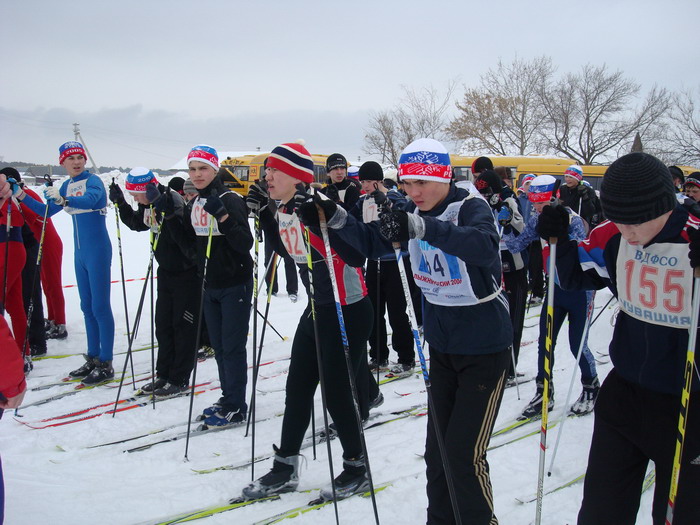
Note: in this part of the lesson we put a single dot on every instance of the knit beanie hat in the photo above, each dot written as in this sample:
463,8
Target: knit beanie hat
11,173
574,171
371,170
425,159
205,154
69,148
294,160
176,184
543,188
677,173
488,183
137,179
481,163
637,188
336,160
188,187
353,172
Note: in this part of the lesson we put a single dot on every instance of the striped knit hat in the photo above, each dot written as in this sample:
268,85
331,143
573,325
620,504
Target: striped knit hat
425,159
574,171
543,188
67,149
137,179
294,160
637,188
205,154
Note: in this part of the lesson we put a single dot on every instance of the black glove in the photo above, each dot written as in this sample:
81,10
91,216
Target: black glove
583,192
505,215
308,213
153,194
393,226
166,204
694,247
215,207
553,222
331,192
257,198
380,199
116,195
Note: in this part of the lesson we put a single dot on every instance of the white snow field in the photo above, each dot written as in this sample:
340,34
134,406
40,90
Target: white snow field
52,476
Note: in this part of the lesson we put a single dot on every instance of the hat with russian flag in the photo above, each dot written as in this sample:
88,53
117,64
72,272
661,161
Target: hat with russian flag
294,160
425,159
205,154
574,171
137,179
69,148
543,188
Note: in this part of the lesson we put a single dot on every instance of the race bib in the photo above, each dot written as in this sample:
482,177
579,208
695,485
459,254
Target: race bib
201,219
149,219
655,283
292,236
77,189
370,210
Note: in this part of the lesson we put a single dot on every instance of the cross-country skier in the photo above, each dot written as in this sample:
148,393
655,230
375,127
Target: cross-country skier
574,304
341,189
84,197
580,197
641,255
177,302
454,249
289,168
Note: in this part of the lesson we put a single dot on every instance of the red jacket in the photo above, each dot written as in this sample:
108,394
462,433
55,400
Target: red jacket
12,381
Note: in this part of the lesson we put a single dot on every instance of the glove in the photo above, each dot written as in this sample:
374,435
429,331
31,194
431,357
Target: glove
153,195
51,193
257,198
17,191
399,226
215,207
553,222
505,215
331,192
165,204
694,250
583,192
115,194
308,212
380,199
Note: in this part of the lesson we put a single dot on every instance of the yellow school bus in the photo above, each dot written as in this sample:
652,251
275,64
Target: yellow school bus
462,165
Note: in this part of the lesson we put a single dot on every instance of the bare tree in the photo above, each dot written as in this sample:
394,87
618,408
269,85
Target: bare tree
591,114
418,114
684,133
504,114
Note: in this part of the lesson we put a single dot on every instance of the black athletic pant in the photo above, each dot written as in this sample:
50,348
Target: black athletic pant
467,391
386,294
177,307
303,375
36,336
516,290
536,269
634,425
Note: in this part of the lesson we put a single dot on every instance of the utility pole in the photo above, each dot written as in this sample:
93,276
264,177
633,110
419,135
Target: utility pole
79,138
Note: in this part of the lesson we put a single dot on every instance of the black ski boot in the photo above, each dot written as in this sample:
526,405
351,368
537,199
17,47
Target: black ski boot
102,373
284,477
352,479
84,371
153,385
534,407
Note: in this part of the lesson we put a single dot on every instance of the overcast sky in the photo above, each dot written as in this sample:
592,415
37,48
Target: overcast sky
148,79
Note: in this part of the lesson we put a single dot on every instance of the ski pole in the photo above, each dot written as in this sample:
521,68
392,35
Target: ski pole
268,323
377,321
319,364
268,264
256,215
685,398
428,386
153,337
8,227
515,372
121,267
563,418
603,309
547,375
346,351
207,253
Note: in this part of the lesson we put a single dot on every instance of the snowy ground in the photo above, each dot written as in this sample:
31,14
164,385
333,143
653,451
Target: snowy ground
51,475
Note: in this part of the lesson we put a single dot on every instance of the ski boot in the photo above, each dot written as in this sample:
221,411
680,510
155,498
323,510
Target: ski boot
351,480
284,477
102,373
84,371
153,385
586,401
534,407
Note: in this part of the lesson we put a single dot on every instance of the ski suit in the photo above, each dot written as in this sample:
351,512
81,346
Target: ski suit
287,232
86,202
636,414
466,323
177,302
14,302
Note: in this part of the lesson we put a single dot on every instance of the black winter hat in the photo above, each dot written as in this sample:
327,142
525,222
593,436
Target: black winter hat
481,164
11,172
371,170
637,188
489,182
677,173
336,160
176,183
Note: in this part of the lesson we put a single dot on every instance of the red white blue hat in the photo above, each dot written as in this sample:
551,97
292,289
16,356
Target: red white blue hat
67,149
425,159
543,189
137,179
574,171
293,159
205,154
